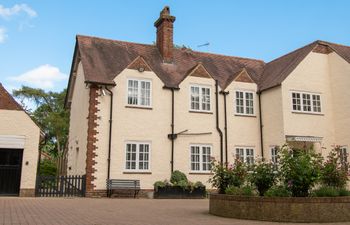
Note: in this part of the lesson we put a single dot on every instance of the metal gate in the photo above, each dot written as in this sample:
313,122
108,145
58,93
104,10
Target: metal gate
10,171
60,186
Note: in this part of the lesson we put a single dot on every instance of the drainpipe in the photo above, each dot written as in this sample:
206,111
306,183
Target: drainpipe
261,127
217,122
172,130
110,134
225,93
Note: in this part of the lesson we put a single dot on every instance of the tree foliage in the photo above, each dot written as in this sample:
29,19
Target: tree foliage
49,114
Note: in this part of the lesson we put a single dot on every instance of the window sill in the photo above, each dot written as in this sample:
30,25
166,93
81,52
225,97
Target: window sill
200,173
137,172
309,113
203,112
138,107
245,115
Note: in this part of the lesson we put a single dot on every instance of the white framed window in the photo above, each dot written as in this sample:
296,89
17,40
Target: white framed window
137,156
200,158
139,92
245,154
200,98
306,102
343,156
274,155
244,102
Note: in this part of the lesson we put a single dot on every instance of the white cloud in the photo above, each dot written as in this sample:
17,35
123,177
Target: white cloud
7,13
44,76
3,35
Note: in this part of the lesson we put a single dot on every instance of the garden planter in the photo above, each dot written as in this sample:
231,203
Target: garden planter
179,192
282,209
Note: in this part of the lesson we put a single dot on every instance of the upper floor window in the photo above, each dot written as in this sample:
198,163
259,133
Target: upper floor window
139,92
306,102
245,155
200,98
137,156
245,102
200,158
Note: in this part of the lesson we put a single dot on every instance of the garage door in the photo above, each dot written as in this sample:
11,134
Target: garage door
10,171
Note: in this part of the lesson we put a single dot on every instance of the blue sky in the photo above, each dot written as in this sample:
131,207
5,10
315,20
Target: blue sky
37,37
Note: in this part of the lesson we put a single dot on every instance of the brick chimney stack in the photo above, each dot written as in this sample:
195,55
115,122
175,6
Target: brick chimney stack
164,25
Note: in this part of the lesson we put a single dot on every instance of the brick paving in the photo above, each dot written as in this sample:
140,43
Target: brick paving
71,211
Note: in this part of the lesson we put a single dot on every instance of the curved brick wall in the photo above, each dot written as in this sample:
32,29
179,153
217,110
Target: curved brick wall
325,209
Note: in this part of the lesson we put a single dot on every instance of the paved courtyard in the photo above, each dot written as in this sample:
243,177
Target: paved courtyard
73,211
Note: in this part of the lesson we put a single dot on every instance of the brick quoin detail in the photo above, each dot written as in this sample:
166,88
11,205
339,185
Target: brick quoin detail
91,139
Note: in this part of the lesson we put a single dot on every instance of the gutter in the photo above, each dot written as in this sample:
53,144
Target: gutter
110,134
225,93
217,123
261,127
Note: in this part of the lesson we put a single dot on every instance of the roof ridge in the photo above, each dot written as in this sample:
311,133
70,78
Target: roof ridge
180,49
113,40
228,56
331,43
289,53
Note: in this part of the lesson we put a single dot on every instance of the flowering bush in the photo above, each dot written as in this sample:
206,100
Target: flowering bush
228,175
263,176
333,172
300,170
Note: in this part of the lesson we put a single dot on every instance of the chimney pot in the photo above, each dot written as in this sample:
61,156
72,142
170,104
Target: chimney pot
164,42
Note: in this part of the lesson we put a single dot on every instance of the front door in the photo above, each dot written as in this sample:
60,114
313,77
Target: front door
10,171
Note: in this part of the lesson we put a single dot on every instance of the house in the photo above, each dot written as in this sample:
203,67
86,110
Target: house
19,144
141,111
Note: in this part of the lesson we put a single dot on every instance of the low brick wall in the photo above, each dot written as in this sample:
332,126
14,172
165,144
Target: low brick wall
315,209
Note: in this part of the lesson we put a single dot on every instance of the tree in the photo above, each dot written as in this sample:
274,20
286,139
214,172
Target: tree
50,115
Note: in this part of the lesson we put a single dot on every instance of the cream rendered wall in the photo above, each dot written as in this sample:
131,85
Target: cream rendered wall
340,84
195,122
311,75
242,130
78,125
134,124
15,122
272,119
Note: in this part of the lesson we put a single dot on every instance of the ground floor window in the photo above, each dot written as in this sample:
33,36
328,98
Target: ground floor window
137,156
245,154
200,158
344,156
274,155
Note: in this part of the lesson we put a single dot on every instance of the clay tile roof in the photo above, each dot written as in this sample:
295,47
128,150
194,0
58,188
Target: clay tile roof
104,59
277,70
7,101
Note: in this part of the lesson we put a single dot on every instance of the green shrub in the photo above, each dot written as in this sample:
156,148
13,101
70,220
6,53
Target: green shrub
263,176
159,184
225,176
278,191
199,184
48,168
183,184
177,177
300,170
326,191
240,191
330,191
332,172
343,192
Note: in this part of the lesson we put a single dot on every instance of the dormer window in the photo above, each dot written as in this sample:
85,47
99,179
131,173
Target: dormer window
139,92
200,98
